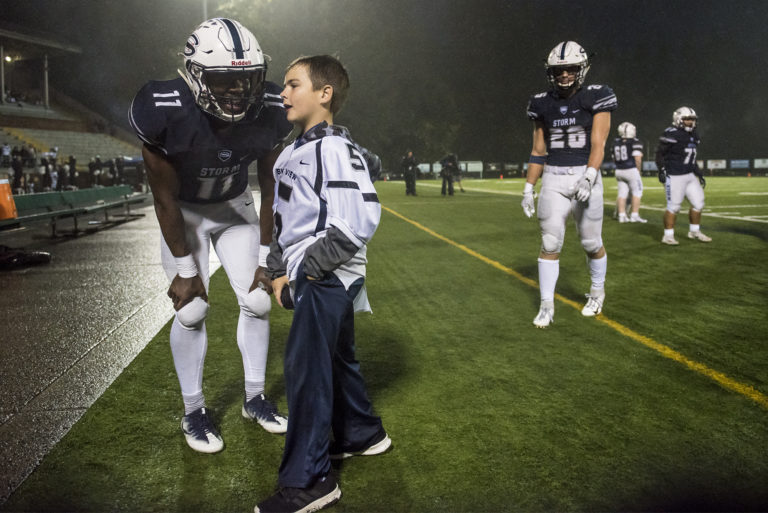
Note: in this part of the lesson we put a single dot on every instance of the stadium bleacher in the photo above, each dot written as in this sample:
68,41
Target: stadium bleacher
83,145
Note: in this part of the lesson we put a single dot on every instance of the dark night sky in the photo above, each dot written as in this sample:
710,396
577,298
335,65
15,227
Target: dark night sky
443,76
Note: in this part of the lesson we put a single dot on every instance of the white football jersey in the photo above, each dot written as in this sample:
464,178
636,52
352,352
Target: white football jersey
319,183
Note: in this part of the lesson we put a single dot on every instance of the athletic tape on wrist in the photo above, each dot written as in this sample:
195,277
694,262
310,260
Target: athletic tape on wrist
528,188
263,252
186,266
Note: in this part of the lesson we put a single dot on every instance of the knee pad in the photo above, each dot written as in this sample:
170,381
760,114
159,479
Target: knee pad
551,243
591,245
192,315
671,207
257,303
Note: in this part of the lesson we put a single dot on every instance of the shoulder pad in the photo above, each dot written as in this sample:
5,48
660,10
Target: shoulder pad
272,96
155,107
601,98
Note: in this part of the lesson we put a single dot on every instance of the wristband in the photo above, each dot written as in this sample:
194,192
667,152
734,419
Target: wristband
263,252
186,266
537,159
528,188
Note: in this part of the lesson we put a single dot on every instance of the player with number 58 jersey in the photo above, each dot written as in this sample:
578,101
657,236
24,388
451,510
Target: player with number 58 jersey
571,125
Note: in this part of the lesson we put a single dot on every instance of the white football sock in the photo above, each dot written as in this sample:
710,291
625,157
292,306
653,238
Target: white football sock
549,270
188,348
695,227
597,270
253,341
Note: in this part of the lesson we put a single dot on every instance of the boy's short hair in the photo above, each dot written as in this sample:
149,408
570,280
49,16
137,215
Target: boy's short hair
326,70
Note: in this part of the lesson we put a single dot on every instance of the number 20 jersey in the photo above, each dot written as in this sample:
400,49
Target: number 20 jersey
568,121
211,162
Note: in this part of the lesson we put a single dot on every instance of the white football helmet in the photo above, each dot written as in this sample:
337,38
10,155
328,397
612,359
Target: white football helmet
627,130
681,115
568,54
225,68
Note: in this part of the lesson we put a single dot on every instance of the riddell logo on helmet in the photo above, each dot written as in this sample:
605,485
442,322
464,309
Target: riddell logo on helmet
240,63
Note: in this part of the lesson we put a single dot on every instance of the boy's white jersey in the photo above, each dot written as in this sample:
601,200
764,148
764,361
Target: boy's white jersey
320,183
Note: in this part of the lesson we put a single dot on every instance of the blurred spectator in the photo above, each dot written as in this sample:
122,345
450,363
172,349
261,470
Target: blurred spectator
5,159
92,172
119,170
18,175
72,171
409,167
111,174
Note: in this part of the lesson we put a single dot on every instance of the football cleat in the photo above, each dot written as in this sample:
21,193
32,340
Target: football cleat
323,493
200,432
375,448
265,413
670,240
637,219
594,304
699,236
546,315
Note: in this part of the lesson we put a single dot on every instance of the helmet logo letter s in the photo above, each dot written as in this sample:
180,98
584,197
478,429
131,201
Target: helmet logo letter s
191,47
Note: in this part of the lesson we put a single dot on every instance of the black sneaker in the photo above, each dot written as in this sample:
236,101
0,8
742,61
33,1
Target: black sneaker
322,494
378,445
200,433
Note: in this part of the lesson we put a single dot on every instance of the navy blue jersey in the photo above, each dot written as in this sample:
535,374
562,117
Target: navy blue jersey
625,151
211,156
677,151
568,122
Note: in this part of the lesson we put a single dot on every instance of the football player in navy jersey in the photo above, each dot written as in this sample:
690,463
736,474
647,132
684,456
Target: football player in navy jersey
680,174
200,133
571,125
628,156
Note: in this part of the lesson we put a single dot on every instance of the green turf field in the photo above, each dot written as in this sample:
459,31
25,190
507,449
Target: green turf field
659,404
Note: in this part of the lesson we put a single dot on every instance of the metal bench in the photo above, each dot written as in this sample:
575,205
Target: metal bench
52,206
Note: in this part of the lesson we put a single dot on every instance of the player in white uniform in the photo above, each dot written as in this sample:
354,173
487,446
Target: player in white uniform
628,157
200,133
679,172
571,125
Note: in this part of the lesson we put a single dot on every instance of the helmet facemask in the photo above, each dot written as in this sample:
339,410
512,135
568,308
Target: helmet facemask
579,71
228,94
681,115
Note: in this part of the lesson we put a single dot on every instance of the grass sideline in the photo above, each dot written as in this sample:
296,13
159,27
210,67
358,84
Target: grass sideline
486,412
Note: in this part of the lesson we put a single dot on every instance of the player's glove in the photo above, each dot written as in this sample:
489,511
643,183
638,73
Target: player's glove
528,204
584,186
662,175
702,181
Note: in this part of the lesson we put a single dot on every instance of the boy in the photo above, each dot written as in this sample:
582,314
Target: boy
325,210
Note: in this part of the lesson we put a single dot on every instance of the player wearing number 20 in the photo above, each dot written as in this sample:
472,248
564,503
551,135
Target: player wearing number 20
200,133
571,125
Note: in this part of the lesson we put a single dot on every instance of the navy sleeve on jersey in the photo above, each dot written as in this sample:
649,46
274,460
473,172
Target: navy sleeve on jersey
534,109
601,98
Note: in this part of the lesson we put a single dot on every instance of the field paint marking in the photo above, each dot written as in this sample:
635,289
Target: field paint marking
707,210
666,351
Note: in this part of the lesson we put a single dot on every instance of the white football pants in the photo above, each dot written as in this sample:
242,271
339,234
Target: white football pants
233,229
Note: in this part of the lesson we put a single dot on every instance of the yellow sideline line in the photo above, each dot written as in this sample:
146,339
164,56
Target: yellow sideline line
666,351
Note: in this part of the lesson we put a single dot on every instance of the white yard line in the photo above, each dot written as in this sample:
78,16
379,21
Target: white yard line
708,211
